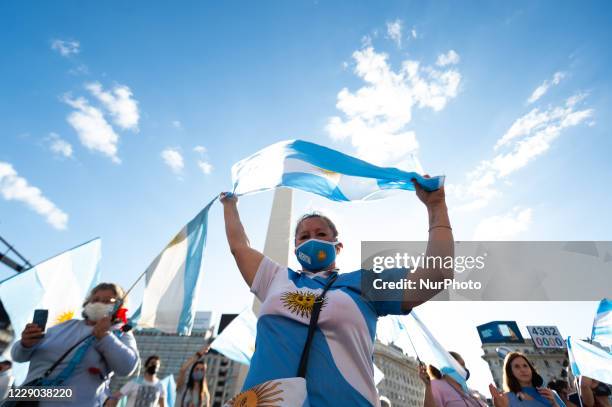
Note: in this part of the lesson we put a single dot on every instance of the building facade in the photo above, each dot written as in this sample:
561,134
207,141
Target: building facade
401,384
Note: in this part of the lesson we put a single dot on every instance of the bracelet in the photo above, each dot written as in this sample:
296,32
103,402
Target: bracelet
440,226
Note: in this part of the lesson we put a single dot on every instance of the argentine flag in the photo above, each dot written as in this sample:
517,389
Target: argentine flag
602,325
59,284
409,333
173,279
323,171
237,341
589,360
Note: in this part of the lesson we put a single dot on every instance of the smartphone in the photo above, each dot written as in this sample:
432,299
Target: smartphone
40,318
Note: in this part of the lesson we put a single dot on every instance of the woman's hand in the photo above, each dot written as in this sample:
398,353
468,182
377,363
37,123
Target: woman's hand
423,375
228,197
499,399
548,395
430,199
31,335
102,328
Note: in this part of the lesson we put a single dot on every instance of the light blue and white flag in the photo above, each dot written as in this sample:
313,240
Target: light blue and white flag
410,334
237,340
323,171
602,325
589,360
59,284
173,279
170,386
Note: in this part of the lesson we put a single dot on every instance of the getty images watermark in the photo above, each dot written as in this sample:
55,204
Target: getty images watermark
487,271
411,264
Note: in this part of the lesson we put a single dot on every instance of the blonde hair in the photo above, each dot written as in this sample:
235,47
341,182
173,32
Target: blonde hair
115,288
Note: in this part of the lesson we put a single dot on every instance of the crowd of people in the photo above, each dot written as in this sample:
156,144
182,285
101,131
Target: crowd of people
315,324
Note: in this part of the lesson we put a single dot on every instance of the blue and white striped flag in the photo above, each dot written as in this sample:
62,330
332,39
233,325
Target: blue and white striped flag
602,325
323,171
410,334
59,284
173,279
237,341
589,360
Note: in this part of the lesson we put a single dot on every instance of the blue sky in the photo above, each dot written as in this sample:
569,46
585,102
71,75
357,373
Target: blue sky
103,108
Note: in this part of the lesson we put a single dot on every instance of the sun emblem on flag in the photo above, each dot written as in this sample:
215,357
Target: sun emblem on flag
299,302
64,316
321,255
262,395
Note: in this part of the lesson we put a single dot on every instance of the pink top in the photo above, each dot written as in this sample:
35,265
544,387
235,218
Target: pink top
446,395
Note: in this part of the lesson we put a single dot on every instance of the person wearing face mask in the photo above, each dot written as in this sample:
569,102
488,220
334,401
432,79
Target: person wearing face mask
523,386
97,349
449,389
191,385
6,378
339,362
143,392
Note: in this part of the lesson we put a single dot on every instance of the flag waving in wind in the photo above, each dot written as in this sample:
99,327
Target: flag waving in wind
59,284
323,171
602,325
173,277
409,333
589,360
172,280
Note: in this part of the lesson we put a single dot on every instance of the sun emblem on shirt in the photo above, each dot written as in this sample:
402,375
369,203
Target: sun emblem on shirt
64,316
262,395
300,302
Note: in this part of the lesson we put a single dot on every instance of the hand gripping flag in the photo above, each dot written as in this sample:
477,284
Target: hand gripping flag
323,171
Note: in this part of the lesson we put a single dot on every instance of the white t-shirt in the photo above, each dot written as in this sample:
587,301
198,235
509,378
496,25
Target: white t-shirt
143,393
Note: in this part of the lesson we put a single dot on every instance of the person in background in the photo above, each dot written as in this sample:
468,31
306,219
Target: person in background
593,392
446,389
191,386
562,389
425,374
105,348
522,386
6,378
143,392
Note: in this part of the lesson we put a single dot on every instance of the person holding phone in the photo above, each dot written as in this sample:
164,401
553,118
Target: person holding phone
93,348
523,386
191,384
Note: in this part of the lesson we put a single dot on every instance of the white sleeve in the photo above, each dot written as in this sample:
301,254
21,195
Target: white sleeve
267,271
162,391
128,388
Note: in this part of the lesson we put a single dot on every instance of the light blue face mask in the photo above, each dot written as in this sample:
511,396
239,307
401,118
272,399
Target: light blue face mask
452,373
315,254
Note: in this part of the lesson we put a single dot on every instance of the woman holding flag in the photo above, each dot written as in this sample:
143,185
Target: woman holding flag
335,354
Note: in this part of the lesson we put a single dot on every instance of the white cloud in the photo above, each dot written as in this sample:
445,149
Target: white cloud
66,48
529,137
394,32
173,159
177,124
14,187
200,149
120,104
413,33
504,227
59,146
94,131
450,58
543,88
205,167
376,115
